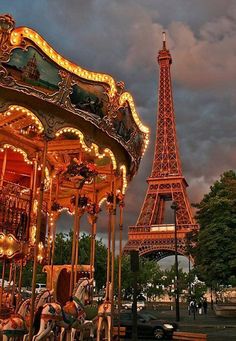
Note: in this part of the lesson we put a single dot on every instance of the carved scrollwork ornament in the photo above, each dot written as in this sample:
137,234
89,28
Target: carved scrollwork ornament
7,24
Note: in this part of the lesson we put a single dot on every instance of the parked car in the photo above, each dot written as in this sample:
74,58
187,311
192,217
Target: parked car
128,305
148,325
40,287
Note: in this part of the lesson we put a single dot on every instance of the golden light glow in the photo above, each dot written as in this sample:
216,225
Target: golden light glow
47,179
126,97
9,245
27,112
40,252
23,32
94,148
124,179
33,235
35,206
16,150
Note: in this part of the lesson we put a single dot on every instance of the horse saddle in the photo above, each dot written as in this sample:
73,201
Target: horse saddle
69,313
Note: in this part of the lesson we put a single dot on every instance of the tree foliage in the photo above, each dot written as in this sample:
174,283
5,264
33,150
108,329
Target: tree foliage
215,250
63,247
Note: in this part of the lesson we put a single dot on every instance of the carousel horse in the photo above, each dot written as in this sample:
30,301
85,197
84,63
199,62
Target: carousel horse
9,298
72,315
45,296
88,325
18,323
12,327
104,317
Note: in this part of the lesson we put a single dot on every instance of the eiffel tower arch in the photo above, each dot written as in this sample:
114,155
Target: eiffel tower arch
151,236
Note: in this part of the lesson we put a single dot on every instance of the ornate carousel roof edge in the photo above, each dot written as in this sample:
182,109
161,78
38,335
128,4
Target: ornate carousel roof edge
19,33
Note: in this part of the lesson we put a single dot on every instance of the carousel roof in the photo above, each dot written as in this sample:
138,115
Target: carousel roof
44,94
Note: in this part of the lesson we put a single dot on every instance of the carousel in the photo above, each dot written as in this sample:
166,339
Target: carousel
70,140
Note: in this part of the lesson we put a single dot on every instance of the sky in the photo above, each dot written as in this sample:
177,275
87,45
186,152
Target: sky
122,38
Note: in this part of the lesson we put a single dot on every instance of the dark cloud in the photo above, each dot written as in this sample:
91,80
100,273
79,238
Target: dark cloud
122,37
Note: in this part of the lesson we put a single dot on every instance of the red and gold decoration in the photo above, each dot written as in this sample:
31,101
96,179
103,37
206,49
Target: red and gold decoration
68,136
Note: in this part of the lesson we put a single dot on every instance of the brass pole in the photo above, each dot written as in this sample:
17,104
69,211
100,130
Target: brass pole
4,163
52,249
53,233
74,242
37,238
108,253
113,225
34,183
50,225
10,273
14,284
120,266
77,248
3,280
93,230
20,276
33,188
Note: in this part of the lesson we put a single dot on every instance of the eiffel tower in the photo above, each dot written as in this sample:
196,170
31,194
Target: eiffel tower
151,236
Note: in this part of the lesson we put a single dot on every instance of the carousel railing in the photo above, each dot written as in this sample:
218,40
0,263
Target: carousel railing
15,202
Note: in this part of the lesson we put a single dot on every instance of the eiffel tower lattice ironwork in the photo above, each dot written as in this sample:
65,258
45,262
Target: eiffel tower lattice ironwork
150,235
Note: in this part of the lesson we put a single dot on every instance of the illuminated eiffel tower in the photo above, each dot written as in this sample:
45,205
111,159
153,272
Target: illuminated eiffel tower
150,236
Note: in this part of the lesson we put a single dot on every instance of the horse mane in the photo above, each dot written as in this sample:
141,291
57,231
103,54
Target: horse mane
20,305
78,284
38,297
37,317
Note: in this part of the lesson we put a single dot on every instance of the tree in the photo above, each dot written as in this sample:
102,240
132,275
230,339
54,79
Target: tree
215,250
149,277
63,247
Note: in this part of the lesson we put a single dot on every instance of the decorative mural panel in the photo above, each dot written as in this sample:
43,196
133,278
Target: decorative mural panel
125,127
89,98
28,67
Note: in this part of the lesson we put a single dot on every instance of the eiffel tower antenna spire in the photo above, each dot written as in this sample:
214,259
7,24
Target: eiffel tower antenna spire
164,40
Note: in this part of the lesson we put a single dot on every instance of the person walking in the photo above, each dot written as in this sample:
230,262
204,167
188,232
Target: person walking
204,304
200,307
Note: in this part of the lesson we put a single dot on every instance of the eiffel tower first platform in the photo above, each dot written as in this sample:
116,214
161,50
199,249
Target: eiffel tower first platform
151,236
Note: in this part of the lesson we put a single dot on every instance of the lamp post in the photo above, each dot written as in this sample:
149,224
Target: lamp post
175,207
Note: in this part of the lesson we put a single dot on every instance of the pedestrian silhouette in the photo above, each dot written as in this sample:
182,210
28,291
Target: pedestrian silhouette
205,306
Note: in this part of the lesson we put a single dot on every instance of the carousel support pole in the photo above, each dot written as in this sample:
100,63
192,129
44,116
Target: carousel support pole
113,225
4,163
33,187
74,242
50,225
120,266
108,254
77,248
93,230
14,285
20,276
52,250
37,238
3,280
53,234
10,273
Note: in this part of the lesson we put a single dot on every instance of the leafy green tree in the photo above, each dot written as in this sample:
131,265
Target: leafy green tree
215,250
149,277
63,247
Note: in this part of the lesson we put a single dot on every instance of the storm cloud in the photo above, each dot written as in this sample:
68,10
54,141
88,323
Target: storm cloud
122,37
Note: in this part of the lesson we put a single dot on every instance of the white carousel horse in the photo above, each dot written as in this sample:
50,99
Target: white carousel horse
72,315
17,324
104,317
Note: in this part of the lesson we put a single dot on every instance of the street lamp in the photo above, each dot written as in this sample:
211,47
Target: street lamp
175,207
